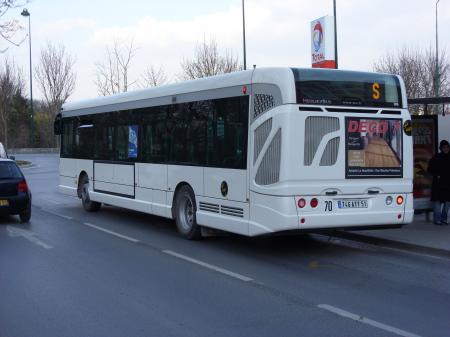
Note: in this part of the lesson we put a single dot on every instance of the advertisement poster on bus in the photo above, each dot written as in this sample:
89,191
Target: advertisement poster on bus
425,143
133,141
373,147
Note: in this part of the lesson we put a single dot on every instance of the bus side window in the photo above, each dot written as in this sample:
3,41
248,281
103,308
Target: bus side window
153,135
67,144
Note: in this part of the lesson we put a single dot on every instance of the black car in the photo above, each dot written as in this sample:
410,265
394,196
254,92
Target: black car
15,196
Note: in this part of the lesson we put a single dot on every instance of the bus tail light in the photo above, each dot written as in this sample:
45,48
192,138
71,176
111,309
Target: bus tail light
314,202
301,203
399,200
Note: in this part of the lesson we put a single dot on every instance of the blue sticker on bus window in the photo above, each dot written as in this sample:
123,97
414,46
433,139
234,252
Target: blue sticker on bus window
133,141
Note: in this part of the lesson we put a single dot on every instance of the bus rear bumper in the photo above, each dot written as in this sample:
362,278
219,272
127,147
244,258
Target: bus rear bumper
270,214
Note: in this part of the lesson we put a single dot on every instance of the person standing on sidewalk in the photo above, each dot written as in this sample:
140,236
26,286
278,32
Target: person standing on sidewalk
439,168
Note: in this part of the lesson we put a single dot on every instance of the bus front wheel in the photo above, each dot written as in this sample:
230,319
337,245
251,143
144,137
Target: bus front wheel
88,204
185,213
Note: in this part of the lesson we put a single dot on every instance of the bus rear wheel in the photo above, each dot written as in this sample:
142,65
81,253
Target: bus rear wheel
88,204
185,214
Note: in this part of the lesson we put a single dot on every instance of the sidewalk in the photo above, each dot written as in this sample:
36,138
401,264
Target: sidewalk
420,236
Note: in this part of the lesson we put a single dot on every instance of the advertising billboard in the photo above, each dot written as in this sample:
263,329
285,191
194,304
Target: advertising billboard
425,144
322,43
373,148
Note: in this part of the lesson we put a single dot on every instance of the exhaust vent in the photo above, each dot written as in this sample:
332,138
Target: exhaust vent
261,133
207,207
315,129
233,211
330,154
269,169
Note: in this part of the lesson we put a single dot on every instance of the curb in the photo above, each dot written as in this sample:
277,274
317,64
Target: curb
392,244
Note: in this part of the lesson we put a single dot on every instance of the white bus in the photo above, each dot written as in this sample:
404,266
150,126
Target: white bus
253,152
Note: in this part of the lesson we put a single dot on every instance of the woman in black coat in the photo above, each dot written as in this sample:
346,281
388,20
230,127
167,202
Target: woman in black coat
439,168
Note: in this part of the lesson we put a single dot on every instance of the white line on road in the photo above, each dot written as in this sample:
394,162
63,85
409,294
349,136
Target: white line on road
209,266
57,214
52,201
367,321
29,235
111,232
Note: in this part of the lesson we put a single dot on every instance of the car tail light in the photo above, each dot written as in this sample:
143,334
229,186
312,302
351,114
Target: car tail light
399,200
22,186
301,203
314,202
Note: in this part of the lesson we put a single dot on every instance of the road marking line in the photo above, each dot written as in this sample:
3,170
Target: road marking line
57,214
111,232
29,235
365,320
52,201
209,266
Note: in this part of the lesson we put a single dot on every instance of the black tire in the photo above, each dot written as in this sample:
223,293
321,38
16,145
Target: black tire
186,213
25,216
88,204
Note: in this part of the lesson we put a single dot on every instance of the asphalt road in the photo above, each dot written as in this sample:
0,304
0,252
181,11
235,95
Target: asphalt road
122,273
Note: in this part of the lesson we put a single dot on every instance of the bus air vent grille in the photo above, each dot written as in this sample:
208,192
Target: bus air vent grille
233,211
269,169
261,134
262,103
207,207
330,154
315,129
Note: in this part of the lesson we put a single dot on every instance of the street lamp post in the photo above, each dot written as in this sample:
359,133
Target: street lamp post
26,13
243,33
335,34
436,83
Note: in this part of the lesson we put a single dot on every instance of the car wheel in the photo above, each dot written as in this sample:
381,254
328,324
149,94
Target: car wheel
185,213
25,216
88,204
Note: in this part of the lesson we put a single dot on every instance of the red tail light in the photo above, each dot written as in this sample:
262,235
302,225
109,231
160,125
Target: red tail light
314,202
22,186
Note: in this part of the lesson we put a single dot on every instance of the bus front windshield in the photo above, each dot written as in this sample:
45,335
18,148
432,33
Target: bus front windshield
347,88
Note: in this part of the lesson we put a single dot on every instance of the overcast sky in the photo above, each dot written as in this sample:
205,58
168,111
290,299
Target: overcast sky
278,31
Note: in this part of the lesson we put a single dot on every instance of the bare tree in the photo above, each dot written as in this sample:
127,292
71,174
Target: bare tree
418,70
153,77
11,85
112,75
55,76
208,62
9,28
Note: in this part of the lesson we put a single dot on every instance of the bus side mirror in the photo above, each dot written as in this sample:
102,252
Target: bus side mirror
57,125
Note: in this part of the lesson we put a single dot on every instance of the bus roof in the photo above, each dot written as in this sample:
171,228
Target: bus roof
198,89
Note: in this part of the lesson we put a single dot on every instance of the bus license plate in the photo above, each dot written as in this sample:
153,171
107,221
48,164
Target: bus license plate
353,204
4,203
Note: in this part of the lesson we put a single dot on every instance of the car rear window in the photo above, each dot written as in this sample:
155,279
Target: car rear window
9,170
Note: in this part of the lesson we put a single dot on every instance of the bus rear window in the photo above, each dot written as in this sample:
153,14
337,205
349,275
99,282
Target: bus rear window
348,88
